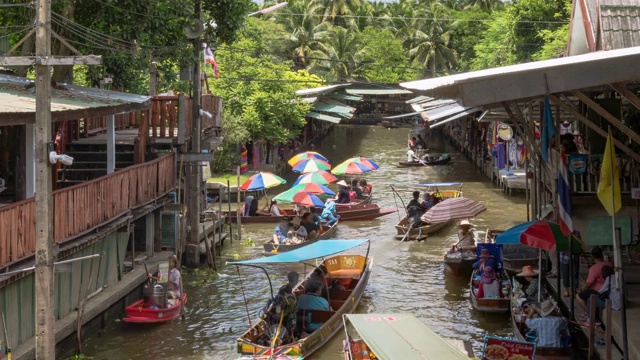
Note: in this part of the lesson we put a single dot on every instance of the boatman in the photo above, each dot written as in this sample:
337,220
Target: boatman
411,156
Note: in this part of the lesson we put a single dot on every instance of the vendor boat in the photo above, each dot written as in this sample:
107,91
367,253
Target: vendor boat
139,312
542,352
351,271
326,232
418,233
491,305
395,336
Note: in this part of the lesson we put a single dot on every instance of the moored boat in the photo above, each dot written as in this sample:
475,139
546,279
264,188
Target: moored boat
326,232
140,313
491,305
395,336
351,271
417,232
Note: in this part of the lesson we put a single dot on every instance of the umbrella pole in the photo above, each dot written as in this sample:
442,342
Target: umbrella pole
539,273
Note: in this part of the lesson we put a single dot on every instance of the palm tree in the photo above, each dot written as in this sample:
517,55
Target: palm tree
302,22
340,53
335,9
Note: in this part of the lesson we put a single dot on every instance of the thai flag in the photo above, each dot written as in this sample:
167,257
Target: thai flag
564,198
210,59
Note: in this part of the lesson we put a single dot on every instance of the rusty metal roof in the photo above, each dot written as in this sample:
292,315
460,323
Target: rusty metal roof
68,102
620,23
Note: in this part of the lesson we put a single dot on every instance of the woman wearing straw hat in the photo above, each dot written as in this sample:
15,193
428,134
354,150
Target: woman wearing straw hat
485,259
531,275
343,193
466,236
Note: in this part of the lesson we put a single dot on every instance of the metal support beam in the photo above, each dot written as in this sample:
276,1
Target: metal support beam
111,144
44,278
50,60
627,94
607,116
570,109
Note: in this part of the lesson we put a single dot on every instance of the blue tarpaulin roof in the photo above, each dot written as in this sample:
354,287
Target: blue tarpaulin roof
316,250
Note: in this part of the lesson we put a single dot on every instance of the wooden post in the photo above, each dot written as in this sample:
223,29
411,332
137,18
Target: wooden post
229,212
592,325
153,73
45,320
111,144
608,324
196,169
238,218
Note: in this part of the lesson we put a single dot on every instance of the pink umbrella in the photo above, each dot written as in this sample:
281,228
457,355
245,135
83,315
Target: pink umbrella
453,209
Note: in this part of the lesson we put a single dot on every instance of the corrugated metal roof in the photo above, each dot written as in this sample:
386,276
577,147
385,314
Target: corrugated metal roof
68,102
534,79
377,91
345,97
446,111
323,117
320,90
402,115
344,111
419,99
620,22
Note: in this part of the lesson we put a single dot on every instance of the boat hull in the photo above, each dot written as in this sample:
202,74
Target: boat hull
355,267
501,305
460,266
424,163
137,314
272,249
417,233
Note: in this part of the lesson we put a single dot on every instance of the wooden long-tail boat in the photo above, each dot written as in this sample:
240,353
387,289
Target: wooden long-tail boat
490,305
395,336
418,233
326,232
428,162
542,352
351,271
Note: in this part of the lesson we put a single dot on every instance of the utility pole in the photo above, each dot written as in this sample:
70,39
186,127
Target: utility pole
196,170
45,321
44,257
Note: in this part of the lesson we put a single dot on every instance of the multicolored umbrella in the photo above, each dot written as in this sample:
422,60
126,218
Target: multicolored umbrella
311,165
306,155
366,161
300,198
539,234
318,177
453,209
351,168
313,188
261,181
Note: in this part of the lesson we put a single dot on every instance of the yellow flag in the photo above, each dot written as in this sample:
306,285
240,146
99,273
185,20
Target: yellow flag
609,164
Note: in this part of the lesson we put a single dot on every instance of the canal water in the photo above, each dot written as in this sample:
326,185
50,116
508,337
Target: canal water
407,277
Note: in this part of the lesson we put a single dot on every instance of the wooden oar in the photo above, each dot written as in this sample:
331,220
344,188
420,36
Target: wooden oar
407,233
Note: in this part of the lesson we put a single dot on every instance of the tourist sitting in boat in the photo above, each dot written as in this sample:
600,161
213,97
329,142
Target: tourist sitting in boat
411,156
273,209
531,290
466,236
246,208
309,225
356,189
415,209
316,218
366,188
343,197
550,328
429,201
296,234
283,306
485,259
281,231
329,213
312,300
489,287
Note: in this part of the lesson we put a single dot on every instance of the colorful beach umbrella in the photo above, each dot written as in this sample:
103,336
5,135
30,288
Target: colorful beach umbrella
313,188
306,155
318,177
539,234
261,181
351,168
367,162
300,198
459,208
311,165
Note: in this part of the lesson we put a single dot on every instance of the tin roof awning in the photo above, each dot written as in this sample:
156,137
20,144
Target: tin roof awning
402,115
343,111
68,102
323,117
419,99
345,97
456,116
320,90
377,91
446,111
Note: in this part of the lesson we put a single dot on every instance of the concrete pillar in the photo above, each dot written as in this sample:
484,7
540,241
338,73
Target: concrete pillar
30,159
111,144
149,230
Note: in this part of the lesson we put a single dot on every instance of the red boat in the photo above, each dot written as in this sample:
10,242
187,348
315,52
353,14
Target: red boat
138,314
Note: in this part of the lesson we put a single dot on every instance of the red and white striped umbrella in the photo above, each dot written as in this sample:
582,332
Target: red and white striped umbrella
453,209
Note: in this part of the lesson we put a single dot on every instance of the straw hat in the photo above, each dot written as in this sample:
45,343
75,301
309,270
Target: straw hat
528,270
465,223
545,308
485,254
342,183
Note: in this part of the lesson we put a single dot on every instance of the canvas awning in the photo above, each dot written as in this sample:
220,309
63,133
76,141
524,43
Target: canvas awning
323,117
315,250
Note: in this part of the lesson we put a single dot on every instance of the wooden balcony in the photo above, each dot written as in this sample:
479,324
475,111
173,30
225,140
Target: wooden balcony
81,208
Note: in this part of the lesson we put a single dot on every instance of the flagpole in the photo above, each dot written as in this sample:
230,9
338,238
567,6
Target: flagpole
617,256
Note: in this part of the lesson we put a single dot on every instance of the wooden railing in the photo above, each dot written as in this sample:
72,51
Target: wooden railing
83,207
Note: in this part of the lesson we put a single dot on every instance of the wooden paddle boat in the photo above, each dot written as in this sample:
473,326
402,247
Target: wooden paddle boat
491,305
396,336
326,232
142,313
460,262
427,160
350,271
418,233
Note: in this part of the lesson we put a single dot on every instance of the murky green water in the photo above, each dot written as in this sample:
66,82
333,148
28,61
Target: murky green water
407,277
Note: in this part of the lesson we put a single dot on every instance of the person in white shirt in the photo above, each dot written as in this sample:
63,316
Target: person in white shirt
273,209
411,156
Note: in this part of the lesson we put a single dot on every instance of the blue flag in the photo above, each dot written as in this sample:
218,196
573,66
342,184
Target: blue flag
548,130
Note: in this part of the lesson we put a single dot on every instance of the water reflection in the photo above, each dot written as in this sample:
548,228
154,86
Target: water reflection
407,277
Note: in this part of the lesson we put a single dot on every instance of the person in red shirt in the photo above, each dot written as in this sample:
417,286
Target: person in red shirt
594,278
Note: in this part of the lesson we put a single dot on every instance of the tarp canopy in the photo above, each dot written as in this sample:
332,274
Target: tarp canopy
402,336
323,117
315,250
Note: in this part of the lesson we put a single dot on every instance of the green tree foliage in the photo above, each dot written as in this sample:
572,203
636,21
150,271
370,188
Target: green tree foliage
385,61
